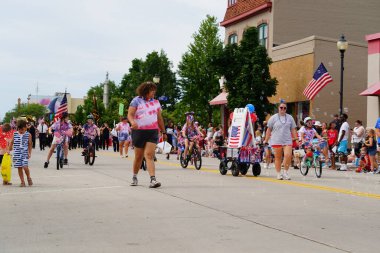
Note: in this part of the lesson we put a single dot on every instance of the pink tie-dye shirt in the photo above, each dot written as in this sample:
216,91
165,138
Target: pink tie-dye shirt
146,112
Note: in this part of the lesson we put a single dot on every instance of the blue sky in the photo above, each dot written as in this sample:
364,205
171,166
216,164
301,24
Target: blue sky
72,43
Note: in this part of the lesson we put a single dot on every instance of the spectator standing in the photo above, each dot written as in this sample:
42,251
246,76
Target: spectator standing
372,150
358,134
42,130
332,137
342,143
32,131
106,136
115,140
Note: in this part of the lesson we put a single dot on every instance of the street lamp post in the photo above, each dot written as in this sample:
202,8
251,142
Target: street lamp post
156,79
342,46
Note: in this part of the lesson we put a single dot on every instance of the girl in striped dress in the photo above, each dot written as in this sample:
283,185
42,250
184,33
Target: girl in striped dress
22,150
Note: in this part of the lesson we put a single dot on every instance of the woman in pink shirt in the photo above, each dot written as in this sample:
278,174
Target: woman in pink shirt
144,114
124,131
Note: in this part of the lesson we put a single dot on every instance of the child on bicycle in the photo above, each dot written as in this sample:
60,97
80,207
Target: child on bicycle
190,133
90,131
63,130
22,151
308,133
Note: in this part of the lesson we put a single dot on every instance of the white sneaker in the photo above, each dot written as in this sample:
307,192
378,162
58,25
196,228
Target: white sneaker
279,177
266,166
286,176
121,156
343,167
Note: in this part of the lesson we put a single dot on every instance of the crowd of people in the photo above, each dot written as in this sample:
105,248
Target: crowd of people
144,127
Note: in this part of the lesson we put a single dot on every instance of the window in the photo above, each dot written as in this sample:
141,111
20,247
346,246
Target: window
263,35
231,2
233,38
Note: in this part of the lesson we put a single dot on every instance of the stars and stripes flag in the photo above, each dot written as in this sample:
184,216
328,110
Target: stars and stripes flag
320,79
235,137
61,109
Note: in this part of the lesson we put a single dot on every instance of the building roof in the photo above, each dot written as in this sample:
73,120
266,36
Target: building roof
221,99
244,9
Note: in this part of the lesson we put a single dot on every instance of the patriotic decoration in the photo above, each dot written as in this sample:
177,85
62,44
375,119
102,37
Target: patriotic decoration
241,133
62,108
235,137
320,79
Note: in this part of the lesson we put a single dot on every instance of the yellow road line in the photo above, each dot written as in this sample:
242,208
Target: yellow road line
286,182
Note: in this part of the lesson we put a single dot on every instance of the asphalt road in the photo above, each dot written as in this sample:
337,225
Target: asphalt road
85,208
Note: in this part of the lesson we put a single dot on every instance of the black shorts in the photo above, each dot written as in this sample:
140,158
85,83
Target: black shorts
141,137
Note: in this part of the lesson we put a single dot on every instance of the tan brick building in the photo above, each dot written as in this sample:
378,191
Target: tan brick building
299,35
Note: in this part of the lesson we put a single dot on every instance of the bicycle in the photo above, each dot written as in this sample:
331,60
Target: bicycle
60,153
194,156
89,153
314,160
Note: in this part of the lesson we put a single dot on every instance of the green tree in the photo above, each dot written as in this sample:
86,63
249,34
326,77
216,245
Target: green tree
33,110
246,68
144,70
198,72
79,116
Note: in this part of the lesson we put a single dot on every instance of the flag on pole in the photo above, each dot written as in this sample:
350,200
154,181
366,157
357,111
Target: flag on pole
320,79
61,109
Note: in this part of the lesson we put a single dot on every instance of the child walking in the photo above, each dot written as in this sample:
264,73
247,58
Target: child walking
22,151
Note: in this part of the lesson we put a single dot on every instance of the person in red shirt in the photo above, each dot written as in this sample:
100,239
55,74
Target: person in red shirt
6,135
332,137
365,162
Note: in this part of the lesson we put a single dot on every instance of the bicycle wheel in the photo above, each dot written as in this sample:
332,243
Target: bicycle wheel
235,169
184,162
58,156
197,159
318,167
91,155
304,168
86,157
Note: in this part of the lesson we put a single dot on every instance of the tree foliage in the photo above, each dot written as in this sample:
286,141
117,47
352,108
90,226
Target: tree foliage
33,110
246,68
198,72
144,70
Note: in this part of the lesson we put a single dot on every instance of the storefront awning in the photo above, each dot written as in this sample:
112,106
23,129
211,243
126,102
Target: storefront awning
373,90
221,99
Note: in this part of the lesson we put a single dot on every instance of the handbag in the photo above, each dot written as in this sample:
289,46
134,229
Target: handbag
114,132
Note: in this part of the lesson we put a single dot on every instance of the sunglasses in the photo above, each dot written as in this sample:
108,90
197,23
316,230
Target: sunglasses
282,107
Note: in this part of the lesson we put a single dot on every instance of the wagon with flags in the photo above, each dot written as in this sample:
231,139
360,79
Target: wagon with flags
241,151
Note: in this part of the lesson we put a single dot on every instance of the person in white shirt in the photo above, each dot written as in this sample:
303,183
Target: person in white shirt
342,143
42,129
358,135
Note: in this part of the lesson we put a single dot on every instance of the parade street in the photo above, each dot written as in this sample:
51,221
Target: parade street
83,208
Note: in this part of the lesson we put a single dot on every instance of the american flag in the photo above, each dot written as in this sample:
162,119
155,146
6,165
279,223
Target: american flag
320,79
235,136
61,109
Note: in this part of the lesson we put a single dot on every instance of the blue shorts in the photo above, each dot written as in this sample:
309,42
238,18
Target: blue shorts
124,137
372,152
343,147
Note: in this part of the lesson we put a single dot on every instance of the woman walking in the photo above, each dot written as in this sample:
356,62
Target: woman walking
144,113
124,131
281,132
